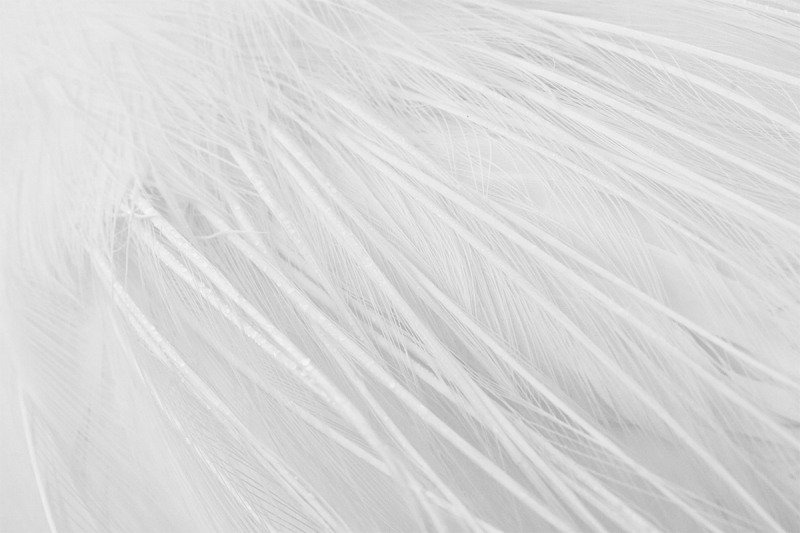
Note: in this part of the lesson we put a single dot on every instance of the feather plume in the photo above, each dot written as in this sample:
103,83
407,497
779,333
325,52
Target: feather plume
400,265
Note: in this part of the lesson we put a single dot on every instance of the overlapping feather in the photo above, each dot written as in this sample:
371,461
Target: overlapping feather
362,265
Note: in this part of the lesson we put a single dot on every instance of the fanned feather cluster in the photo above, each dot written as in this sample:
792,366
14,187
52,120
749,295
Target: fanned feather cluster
401,265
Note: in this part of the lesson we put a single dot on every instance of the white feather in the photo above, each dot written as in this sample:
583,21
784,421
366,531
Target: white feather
381,265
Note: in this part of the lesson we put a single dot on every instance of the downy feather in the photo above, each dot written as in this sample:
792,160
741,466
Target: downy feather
400,265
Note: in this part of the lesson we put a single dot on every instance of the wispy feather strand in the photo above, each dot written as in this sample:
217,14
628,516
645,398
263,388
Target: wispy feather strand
402,265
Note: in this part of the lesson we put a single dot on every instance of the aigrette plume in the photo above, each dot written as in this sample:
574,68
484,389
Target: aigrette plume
400,265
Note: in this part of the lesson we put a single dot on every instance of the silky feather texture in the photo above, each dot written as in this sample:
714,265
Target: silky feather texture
380,265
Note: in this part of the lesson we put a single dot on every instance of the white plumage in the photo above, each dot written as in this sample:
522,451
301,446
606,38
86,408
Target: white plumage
400,265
